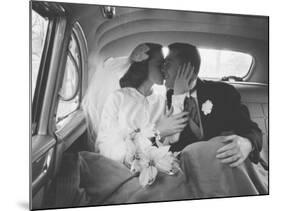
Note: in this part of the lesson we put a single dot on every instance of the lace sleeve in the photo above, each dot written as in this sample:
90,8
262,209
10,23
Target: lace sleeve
110,142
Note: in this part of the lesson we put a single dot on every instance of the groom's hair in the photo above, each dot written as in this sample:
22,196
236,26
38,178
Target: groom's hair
138,71
187,53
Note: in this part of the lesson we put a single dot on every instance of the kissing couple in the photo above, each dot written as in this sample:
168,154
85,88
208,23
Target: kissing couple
196,141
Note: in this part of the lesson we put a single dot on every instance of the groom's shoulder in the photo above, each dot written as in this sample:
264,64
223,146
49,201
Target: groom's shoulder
219,86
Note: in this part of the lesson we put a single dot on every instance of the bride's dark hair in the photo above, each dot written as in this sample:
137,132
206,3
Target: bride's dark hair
138,71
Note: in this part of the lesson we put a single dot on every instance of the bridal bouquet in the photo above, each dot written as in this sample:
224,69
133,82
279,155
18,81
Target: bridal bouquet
147,160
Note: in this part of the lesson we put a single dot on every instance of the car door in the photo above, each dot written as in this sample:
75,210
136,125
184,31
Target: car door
58,65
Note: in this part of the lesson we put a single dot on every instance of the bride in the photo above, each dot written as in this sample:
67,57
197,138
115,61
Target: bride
133,126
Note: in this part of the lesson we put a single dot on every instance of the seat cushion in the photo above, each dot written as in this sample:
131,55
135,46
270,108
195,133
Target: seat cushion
255,97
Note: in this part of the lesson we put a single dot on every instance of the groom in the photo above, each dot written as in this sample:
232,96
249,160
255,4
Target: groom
215,109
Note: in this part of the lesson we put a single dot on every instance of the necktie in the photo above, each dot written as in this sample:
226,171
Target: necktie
190,106
169,94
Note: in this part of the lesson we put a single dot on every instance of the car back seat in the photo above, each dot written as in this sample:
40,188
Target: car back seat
255,97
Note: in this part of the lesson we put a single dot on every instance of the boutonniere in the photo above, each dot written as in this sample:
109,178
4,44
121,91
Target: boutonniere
207,107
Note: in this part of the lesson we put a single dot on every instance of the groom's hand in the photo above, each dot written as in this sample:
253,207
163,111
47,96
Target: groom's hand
235,151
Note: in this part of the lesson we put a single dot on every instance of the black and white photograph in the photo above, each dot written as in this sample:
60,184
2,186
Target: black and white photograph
137,105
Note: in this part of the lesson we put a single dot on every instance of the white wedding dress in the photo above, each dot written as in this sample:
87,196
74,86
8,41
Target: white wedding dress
125,111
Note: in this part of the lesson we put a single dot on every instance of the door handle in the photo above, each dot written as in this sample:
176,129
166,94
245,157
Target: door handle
48,160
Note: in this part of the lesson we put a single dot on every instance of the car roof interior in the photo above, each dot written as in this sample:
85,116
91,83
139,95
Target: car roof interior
131,26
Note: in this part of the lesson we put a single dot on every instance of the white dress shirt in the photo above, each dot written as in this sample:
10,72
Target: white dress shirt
178,107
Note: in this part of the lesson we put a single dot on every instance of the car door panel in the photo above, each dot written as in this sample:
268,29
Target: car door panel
73,130
48,143
42,166
69,135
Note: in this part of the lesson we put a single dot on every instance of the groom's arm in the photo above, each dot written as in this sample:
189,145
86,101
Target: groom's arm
242,124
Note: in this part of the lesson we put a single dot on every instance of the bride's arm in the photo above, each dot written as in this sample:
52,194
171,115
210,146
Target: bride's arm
177,105
110,137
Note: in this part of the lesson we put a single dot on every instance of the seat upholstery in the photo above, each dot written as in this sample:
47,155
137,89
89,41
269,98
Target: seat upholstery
255,97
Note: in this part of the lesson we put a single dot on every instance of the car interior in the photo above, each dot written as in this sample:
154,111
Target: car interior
76,38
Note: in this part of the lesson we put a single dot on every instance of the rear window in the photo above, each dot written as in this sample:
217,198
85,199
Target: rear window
216,64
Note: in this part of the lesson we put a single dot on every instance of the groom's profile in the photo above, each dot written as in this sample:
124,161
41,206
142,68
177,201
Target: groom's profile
214,108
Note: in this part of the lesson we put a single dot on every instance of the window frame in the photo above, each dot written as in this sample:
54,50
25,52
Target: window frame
41,82
49,74
79,78
251,69
77,32
81,39
77,92
42,141
245,77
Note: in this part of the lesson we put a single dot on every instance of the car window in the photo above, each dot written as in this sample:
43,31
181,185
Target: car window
69,94
39,31
217,64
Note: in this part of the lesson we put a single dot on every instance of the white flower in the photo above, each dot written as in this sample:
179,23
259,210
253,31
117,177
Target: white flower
139,53
148,175
136,165
156,159
142,157
207,107
131,150
136,143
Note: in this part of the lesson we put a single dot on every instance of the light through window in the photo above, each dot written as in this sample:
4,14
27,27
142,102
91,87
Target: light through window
70,90
217,64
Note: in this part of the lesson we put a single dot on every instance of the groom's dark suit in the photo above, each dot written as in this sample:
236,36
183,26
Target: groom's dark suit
228,114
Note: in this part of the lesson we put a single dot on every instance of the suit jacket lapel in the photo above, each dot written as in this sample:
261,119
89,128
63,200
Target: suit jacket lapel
202,97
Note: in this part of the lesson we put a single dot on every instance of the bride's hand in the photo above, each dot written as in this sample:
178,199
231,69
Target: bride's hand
171,124
183,77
